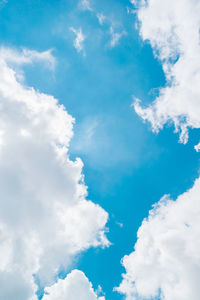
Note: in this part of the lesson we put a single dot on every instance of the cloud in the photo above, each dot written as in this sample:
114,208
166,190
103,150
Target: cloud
101,18
166,259
45,219
74,286
115,37
85,5
27,56
172,28
165,262
79,39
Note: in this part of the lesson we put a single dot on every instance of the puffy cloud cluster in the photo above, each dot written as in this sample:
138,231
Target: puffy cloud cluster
166,259
45,219
75,286
172,28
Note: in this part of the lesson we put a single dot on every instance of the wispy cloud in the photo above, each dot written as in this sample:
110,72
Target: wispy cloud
101,18
79,39
86,143
27,56
115,36
85,5
114,32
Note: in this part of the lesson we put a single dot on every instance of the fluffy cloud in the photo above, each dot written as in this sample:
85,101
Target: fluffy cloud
172,28
166,258
45,219
75,286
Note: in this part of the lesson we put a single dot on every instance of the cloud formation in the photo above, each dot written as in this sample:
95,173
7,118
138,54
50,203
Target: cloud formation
79,39
115,31
85,5
45,219
115,36
101,18
166,259
172,28
27,56
74,286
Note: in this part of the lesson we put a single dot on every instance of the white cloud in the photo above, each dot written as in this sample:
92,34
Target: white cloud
166,258
172,27
101,18
79,39
26,56
74,286
85,5
45,219
115,37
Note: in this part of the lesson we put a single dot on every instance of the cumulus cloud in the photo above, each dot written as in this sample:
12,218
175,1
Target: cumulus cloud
172,28
74,286
45,219
79,39
166,259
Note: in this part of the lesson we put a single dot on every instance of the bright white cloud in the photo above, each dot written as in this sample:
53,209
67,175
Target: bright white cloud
74,286
166,258
45,219
172,28
79,39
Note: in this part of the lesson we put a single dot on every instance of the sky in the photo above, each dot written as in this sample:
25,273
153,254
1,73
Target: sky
99,142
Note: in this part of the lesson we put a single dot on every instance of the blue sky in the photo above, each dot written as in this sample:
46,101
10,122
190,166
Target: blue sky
127,167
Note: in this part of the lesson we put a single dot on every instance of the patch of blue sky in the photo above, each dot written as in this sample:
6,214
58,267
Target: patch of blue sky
127,168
